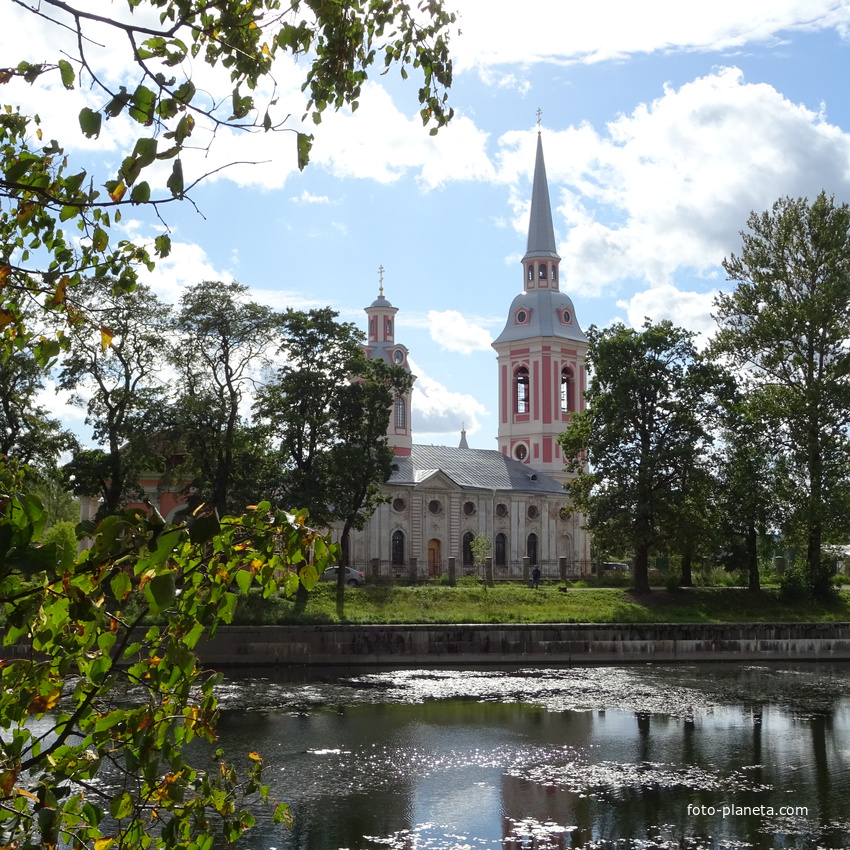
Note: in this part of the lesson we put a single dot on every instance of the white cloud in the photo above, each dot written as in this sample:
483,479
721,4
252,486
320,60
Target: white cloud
494,33
306,198
668,188
381,143
438,411
691,310
454,332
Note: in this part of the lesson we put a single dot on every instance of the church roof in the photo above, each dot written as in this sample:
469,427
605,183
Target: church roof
541,232
545,308
484,469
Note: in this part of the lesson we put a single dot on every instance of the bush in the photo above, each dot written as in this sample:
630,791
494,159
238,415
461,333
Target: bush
794,585
64,536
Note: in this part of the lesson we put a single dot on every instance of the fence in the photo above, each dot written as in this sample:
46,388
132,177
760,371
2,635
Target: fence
423,571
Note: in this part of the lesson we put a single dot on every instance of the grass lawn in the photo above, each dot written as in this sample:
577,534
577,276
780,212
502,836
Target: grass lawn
519,604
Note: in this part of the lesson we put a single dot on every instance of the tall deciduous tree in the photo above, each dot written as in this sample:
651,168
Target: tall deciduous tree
328,407
786,326
27,431
113,368
224,344
642,433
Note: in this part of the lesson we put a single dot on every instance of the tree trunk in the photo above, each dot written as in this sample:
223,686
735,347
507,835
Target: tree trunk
344,545
641,578
687,579
753,559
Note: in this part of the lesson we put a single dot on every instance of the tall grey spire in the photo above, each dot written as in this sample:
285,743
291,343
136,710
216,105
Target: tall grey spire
541,233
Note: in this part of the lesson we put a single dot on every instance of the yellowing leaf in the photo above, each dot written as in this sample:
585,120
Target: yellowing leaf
6,318
58,296
106,337
255,756
118,192
5,271
103,843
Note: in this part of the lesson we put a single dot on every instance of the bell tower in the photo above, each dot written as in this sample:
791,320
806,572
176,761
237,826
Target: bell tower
542,349
380,343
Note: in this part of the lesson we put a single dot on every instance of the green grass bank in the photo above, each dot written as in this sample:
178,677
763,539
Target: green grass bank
436,604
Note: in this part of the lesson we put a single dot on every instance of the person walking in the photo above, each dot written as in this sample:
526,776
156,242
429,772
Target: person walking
535,577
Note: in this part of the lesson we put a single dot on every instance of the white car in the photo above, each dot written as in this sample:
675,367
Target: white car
353,578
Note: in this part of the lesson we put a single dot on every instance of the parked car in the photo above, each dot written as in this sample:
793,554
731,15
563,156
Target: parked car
353,578
611,567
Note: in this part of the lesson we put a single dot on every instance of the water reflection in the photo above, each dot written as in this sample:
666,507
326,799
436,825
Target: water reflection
690,756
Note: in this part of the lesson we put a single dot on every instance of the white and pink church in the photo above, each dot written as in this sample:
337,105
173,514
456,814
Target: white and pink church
441,498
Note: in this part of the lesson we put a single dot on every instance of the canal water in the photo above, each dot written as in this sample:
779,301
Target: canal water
690,756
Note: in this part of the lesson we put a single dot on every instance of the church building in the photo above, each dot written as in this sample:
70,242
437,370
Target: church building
441,498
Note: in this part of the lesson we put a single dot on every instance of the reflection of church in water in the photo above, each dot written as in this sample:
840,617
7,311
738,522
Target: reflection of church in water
441,498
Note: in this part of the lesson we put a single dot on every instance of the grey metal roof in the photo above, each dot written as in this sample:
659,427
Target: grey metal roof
545,308
380,301
483,469
541,233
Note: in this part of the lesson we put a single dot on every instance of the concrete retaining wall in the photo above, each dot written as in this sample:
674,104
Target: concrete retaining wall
521,644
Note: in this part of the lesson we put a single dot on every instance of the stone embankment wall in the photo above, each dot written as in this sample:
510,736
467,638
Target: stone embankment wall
525,644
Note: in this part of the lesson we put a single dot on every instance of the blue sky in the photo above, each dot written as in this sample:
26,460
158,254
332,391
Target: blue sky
664,124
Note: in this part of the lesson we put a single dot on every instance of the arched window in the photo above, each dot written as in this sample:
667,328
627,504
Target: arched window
542,271
554,272
400,413
397,549
389,328
467,548
531,548
567,390
501,550
521,404
373,328
531,271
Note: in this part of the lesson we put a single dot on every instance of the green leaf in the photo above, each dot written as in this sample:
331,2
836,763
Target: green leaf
141,193
68,211
305,144
90,122
121,806
67,73
143,102
100,239
244,578
162,245
121,586
160,592
175,181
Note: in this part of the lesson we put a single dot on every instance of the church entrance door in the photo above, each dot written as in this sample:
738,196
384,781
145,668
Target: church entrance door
435,566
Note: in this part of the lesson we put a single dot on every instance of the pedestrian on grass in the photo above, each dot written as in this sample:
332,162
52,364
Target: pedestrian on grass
535,577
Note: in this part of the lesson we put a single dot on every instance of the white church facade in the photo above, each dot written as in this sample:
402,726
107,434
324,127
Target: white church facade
441,498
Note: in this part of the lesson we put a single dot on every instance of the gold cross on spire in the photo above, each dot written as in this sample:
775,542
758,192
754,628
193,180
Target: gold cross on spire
381,281
539,119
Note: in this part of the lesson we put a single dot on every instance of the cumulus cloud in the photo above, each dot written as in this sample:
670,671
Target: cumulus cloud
669,187
306,198
440,413
454,332
382,143
691,310
612,29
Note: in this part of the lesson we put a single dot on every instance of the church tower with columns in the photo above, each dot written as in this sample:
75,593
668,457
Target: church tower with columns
541,350
381,344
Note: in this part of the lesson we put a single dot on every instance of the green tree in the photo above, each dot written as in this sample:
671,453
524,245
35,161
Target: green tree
224,344
42,191
113,369
328,408
27,431
642,433
785,328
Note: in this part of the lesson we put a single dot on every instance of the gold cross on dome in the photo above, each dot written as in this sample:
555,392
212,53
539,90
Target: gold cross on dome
381,280
539,118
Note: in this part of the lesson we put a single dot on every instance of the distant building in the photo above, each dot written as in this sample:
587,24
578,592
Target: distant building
441,498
